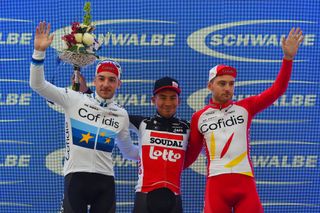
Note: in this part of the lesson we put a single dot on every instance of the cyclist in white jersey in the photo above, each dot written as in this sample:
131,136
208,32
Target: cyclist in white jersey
93,123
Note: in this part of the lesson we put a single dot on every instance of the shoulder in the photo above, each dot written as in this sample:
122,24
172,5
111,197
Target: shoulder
119,110
75,94
136,120
118,107
201,111
184,123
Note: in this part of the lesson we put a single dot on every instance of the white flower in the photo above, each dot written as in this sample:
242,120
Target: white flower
88,39
78,37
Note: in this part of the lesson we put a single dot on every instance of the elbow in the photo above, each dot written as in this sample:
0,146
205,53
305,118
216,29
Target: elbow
32,85
132,154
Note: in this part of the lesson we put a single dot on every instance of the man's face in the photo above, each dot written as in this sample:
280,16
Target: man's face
222,88
106,84
166,102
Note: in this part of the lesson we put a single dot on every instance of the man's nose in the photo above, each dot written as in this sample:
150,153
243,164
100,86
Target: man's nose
106,83
228,87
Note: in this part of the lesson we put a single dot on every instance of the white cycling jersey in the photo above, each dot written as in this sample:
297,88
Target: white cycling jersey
90,129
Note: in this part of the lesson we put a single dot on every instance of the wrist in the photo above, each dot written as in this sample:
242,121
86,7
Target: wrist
288,57
38,54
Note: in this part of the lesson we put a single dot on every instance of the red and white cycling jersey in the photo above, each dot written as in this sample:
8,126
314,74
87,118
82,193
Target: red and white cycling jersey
162,144
224,129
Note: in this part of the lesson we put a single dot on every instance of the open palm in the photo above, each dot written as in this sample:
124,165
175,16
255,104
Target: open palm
290,45
42,38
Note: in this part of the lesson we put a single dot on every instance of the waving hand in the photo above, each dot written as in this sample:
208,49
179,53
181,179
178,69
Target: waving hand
42,38
291,43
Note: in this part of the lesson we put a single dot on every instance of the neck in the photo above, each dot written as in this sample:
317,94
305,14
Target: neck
100,99
161,116
218,104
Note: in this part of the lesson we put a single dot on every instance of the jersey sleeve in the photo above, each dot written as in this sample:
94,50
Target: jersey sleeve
124,142
135,121
195,143
259,102
38,83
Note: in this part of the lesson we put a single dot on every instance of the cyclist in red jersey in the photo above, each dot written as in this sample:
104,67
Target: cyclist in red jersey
163,139
223,127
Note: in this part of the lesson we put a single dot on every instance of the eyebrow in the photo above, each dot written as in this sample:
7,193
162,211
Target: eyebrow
170,96
225,81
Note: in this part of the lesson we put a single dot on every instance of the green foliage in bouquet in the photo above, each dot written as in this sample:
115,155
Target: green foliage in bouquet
81,44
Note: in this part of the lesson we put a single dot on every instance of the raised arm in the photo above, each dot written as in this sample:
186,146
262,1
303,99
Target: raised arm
290,46
37,78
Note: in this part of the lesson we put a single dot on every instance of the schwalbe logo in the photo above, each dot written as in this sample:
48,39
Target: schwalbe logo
197,40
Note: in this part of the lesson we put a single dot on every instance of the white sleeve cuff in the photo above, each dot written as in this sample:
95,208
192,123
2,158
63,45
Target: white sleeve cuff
38,55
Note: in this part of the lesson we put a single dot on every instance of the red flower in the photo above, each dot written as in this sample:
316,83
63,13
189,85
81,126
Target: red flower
70,39
75,27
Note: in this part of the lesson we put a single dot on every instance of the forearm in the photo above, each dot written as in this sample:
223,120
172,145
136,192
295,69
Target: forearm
192,153
282,81
37,80
124,143
129,152
278,88
39,84
195,142
127,148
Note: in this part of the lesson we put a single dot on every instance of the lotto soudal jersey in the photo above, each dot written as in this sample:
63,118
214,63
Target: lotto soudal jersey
162,144
224,129
92,125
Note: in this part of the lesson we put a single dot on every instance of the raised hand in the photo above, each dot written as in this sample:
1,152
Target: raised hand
42,38
291,43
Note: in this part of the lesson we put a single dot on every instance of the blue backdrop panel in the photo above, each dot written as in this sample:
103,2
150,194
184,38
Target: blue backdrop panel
151,39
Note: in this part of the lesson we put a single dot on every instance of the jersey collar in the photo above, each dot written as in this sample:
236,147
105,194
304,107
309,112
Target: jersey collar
160,117
218,105
102,100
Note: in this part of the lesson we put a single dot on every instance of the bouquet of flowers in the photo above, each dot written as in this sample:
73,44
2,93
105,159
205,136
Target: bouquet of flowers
80,44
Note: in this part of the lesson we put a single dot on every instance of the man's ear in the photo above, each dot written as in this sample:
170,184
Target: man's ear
209,85
119,83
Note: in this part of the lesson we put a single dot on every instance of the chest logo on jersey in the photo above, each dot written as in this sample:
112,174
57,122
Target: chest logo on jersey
167,155
222,123
97,117
166,139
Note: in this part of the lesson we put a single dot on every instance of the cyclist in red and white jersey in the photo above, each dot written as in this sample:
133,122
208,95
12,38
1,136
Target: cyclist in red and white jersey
163,139
223,127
